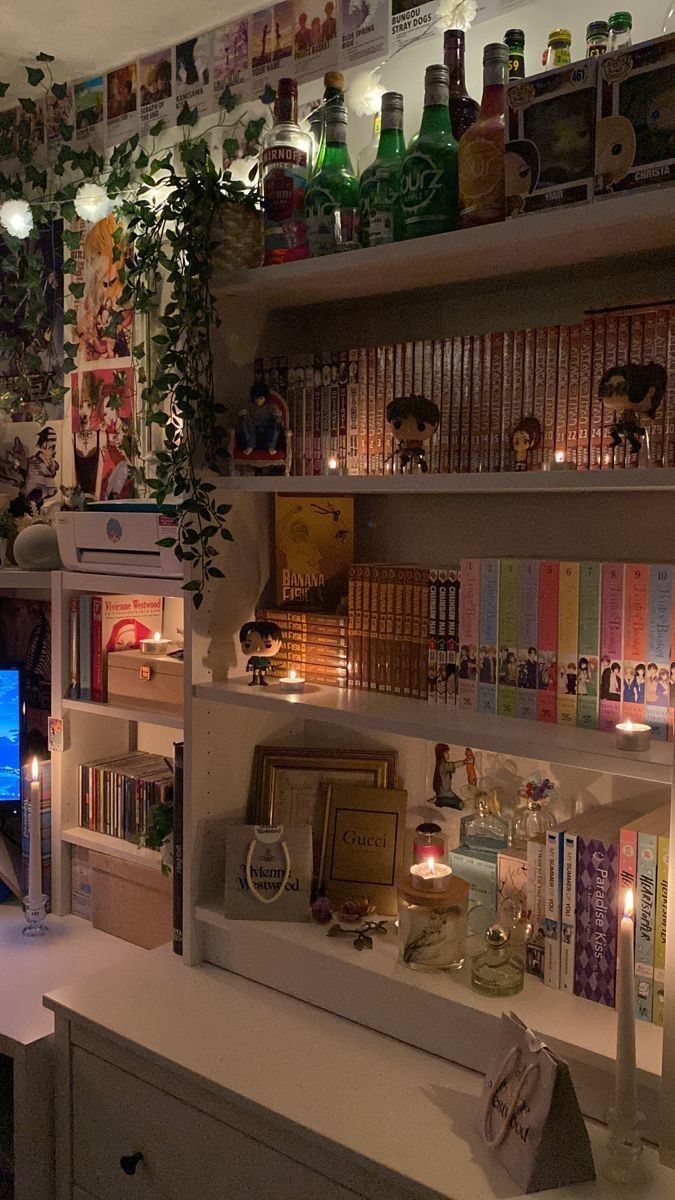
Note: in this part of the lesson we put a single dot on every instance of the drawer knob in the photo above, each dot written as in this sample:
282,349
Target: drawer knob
129,1162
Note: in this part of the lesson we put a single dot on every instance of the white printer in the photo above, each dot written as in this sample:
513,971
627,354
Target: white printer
118,541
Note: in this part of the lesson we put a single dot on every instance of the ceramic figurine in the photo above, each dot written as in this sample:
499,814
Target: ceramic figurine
262,640
259,426
635,392
444,793
525,437
412,421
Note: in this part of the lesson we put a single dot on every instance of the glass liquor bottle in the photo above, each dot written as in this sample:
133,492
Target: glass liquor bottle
368,153
481,150
332,199
620,30
463,108
333,83
559,52
515,41
285,157
597,35
484,829
429,201
379,210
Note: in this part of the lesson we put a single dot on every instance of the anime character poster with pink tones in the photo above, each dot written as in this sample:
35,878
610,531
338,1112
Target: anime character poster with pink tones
271,40
102,432
315,37
231,59
104,325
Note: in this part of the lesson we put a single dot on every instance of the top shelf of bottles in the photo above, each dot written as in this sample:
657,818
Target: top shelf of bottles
619,225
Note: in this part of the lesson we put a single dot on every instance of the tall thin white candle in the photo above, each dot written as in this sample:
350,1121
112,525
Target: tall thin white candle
35,840
625,1096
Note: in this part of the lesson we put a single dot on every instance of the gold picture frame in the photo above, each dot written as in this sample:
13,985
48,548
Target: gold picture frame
291,785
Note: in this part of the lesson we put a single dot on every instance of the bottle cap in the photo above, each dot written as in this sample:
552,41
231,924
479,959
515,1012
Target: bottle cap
560,35
620,20
287,87
428,827
495,52
596,28
334,79
392,100
514,37
496,935
437,73
454,35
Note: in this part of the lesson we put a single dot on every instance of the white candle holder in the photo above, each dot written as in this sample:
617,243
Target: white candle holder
292,683
35,913
622,1162
331,466
560,463
155,645
633,736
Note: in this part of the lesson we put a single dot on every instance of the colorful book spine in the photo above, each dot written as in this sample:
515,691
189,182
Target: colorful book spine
85,647
406,669
552,340
363,411
568,912
528,619
589,645
584,419
452,638
380,404
334,394
487,635
597,920
635,632
539,399
97,649
497,361
547,649
611,645
507,690
469,605
534,951
398,631
433,636
353,413
343,409
442,638
657,683
553,873
574,373
628,850
506,401
660,926
74,649
568,635
446,405
645,924
598,412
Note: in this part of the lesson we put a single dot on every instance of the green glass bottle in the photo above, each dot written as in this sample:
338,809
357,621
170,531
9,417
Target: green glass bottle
515,40
333,82
379,208
429,194
332,198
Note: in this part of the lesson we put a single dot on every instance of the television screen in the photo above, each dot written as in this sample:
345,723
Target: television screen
10,735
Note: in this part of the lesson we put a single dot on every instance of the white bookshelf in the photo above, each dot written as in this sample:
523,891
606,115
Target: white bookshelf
142,716
15,579
115,847
650,479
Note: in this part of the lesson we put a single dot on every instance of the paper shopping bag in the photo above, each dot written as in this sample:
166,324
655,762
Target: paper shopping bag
268,872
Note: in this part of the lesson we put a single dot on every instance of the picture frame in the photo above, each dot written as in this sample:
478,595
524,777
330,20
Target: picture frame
362,851
290,785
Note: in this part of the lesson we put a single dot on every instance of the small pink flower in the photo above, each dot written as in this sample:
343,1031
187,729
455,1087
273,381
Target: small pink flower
352,912
322,910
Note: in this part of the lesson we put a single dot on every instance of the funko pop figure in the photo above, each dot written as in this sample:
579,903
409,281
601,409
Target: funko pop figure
259,426
635,392
262,640
521,167
525,437
413,421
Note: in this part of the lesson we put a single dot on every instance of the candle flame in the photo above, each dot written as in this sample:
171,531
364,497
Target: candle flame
34,770
628,726
628,903
156,636
431,866
292,674
559,456
332,464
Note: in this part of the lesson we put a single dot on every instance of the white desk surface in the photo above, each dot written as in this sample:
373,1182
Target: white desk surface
404,1112
29,967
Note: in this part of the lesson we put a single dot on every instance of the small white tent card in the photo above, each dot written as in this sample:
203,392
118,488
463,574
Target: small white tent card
268,872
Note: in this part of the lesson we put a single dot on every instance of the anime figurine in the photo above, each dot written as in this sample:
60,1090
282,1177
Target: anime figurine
615,148
635,392
444,794
262,640
525,437
412,421
259,425
521,168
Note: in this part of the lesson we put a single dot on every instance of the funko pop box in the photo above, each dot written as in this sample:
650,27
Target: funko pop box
635,141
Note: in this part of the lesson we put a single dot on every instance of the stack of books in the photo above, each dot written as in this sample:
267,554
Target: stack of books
314,645
99,624
116,795
389,626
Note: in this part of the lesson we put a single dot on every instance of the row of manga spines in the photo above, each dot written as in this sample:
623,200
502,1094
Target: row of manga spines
315,645
507,400
117,795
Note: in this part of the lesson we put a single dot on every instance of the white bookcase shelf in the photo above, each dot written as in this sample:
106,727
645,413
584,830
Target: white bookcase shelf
16,579
113,846
650,479
123,585
142,716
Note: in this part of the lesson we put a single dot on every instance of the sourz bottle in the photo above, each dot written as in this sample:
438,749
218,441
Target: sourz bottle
332,200
428,197
379,209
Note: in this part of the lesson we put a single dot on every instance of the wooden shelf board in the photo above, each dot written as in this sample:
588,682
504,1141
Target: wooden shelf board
585,748
115,847
123,585
16,579
140,715
636,223
648,479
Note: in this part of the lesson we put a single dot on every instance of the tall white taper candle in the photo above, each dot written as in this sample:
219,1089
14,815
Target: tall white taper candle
625,1096
35,839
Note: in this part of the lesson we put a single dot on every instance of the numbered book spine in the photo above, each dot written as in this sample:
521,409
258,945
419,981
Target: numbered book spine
353,413
380,404
598,411
585,374
589,645
422,588
660,357
443,434
486,384
657,686
442,638
528,619
637,325
469,601
465,428
508,638
611,645
433,636
454,595
363,411
496,416
552,340
552,907
436,393
365,628
398,632
661,922
317,461
635,615
343,410
505,454
539,400
547,649
568,912
574,374
623,355
487,635
456,406
476,404
645,919
611,344
568,635
406,672
374,630
390,601
326,415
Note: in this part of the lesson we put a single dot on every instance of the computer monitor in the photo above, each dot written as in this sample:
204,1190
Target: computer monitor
11,727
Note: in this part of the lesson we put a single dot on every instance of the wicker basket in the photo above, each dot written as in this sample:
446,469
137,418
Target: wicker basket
238,232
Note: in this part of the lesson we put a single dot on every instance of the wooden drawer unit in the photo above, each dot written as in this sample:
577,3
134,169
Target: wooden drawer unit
185,1152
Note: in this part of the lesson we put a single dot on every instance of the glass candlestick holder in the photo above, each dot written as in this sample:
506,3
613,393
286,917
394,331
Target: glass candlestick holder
35,913
432,925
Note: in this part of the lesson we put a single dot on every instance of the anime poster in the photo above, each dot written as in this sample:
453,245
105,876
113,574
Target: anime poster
155,86
30,465
122,92
231,61
315,40
60,111
104,325
38,385
365,25
89,97
193,75
102,431
271,34
410,19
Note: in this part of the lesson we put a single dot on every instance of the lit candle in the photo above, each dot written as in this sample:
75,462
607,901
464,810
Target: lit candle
630,735
430,875
35,839
625,1093
332,467
155,645
560,463
292,682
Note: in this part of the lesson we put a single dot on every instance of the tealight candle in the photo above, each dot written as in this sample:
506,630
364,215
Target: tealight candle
630,735
560,463
332,467
292,682
430,875
155,645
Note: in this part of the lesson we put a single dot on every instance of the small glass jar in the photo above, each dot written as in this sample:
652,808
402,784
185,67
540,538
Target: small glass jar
559,49
499,968
428,843
484,829
597,35
432,926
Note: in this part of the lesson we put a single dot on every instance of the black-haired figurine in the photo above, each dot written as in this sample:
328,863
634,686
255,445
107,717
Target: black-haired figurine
525,437
412,421
635,392
262,640
259,426
521,169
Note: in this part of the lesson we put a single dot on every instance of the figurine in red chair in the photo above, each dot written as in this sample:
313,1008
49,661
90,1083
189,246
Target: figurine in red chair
261,438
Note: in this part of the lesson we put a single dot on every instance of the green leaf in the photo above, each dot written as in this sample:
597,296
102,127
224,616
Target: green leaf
269,95
230,147
28,105
35,75
44,57
4,88
227,100
157,128
142,159
226,535
198,599
215,573
60,90
187,115
167,542
76,290
66,131
192,586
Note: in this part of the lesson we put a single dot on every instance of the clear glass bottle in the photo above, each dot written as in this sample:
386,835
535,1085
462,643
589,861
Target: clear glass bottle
499,968
428,843
285,157
620,31
333,85
463,108
379,206
481,150
531,823
432,926
559,52
332,199
484,829
597,35
368,154
515,41
428,196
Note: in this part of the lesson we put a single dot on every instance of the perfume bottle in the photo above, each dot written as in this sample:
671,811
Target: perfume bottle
532,822
428,843
484,829
499,968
